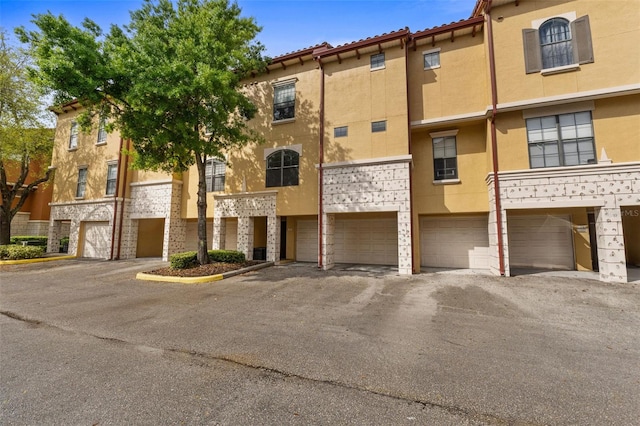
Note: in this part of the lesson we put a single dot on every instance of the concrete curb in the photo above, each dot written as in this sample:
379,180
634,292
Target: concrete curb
199,280
36,260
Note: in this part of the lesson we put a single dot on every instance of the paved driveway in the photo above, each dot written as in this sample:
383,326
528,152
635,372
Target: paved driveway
85,343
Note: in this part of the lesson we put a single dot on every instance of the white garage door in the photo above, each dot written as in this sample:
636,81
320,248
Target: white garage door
366,241
231,235
454,242
540,242
307,241
97,240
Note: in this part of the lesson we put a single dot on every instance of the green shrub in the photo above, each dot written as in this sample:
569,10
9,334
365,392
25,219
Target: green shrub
183,260
37,240
16,252
226,256
64,241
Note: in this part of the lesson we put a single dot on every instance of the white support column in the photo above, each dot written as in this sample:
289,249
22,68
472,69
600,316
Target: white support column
405,260
328,230
611,252
54,235
74,237
273,238
219,233
245,236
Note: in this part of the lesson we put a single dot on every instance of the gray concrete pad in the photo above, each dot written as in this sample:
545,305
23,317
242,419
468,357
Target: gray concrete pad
83,342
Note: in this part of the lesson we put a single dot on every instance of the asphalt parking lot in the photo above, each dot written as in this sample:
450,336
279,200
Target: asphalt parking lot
83,342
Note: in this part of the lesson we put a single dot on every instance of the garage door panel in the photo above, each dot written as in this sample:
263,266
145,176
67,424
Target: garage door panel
455,242
307,241
540,241
97,240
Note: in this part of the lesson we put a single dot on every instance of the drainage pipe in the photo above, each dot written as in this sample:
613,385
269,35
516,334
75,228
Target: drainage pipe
320,166
124,196
494,142
411,223
115,201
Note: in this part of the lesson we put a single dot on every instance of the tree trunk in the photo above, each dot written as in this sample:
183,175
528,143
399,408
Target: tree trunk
5,227
203,255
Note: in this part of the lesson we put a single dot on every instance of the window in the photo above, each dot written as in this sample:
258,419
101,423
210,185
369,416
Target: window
102,132
282,168
431,59
73,139
377,61
445,161
557,42
378,126
284,101
82,182
112,174
561,140
214,173
340,132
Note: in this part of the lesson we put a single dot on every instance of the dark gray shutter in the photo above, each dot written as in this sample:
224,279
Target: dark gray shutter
532,58
581,40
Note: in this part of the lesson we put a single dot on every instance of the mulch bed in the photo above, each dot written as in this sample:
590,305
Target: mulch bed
204,270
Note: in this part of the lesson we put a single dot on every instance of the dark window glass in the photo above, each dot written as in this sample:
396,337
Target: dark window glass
282,168
555,43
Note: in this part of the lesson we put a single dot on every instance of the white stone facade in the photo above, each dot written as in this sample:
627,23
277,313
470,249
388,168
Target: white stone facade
148,200
245,207
376,185
604,187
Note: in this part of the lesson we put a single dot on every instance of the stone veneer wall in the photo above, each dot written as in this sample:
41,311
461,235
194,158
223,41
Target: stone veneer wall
245,207
152,200
20,224
375,185
605,187
76,212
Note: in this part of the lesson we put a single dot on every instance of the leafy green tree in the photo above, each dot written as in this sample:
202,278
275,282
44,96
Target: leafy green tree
173,72
24,139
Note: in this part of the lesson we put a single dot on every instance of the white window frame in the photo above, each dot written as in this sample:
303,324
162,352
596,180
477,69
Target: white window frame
215,173
102,132
73,136
443,136
377,66
431,52
113,180
82,181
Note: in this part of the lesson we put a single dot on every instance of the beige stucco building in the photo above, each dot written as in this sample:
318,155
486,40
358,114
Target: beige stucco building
507,140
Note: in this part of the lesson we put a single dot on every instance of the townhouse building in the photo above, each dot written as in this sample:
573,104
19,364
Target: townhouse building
507,140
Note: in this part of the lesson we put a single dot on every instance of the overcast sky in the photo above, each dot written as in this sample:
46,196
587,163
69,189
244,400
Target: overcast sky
287,25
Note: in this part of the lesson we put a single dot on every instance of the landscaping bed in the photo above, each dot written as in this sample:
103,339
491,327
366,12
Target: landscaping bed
204,270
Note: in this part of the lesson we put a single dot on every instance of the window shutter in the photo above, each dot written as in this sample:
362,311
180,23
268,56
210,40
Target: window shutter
532,58
582,46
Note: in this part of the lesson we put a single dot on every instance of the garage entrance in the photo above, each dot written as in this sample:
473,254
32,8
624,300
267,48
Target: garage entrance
150,237
541,241
454,242
96,240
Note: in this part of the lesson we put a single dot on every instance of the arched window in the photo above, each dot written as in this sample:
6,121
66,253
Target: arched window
555,43
282,168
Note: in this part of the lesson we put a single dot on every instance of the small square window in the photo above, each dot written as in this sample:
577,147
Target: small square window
340,132
431,59
377,61
379,126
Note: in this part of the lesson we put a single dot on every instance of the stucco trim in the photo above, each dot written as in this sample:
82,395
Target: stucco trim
244,195
591,169
156,182
362,208
559,109
368,162
78,202
450,119
297,148
518,205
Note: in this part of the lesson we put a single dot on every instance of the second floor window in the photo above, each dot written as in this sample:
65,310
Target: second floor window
283,168
284,101
561,140
112,175
445,158
377,61
214,174
82,182
73,138
102,132
555,43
